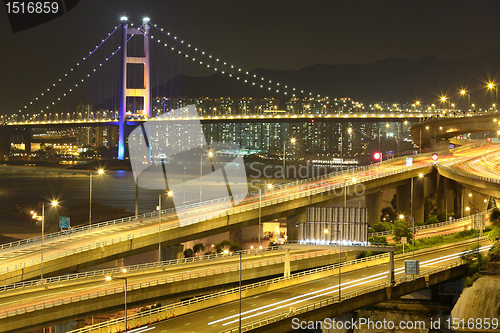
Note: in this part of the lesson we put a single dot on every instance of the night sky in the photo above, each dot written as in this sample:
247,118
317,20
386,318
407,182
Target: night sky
271,34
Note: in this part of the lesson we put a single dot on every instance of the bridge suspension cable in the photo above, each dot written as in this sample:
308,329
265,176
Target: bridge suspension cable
245,75
74,67
93,70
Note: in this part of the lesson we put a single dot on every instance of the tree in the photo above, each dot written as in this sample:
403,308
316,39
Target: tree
378,240
401,229
394,202
382,226
198,248
444,215
223,245
235,247
188,253
388,214
432,219
495,217
430,206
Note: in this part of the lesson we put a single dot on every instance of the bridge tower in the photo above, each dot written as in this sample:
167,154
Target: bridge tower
125,92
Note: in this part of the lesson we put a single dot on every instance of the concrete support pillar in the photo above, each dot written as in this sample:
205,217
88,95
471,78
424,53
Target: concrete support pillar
287,263
460,200
403,199
235,236
430,183
478,202
449,195
292,225
374,205
440,192
27,141
418,199
391,268
172,252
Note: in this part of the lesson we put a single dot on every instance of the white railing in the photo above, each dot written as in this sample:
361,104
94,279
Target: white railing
159,281
108,271
345,295
470,175
203,298
436,225
171,307
300,193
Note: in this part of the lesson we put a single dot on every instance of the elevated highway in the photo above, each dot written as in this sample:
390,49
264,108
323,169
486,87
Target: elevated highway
65,253
270,306
60,301
429,132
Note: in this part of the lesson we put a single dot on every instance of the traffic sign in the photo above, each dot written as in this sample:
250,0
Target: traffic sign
64,222
409,162
412,267
434,157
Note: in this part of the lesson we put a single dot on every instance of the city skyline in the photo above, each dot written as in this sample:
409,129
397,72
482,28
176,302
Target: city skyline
260,39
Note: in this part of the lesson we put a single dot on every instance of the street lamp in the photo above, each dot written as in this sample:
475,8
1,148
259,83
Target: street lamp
109,278
292,140
53,203
491,86
99,172
463,92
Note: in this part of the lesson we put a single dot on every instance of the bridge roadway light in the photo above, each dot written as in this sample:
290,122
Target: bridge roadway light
109,278
53,203
420,175
99,172
292,141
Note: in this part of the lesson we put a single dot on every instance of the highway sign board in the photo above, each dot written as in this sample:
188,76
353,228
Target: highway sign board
64,222
412,267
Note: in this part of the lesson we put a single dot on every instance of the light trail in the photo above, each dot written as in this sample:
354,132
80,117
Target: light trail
327,291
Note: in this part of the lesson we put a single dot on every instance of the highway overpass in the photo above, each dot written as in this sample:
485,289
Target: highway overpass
60,301
270,306
65,253
71,252
432,131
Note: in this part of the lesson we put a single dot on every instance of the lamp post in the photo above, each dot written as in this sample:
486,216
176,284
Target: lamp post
240,253
109,278
463,92
292,140
169,193
260,212
54,203
340,257
100,172
184,187
491,86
